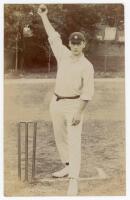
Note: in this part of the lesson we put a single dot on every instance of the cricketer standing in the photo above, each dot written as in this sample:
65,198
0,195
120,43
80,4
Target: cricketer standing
73,90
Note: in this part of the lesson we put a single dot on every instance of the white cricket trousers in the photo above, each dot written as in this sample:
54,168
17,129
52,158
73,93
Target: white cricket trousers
67,137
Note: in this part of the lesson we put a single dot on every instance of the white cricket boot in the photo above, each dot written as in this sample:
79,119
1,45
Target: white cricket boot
62,173
73,187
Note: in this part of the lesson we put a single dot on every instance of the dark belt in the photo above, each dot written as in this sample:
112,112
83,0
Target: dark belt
61,97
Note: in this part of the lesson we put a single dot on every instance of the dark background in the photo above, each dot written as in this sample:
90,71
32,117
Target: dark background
33,51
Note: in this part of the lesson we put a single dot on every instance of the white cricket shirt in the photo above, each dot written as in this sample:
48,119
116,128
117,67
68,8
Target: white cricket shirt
74,76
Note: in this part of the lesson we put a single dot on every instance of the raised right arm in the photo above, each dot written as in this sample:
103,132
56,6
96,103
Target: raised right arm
42,11
54,38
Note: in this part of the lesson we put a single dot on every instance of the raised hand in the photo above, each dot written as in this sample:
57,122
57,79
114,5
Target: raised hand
42,10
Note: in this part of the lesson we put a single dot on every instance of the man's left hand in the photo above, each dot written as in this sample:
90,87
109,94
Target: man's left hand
76,119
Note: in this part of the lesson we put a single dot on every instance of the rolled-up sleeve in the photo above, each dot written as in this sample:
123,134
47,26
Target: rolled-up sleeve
56,44
88,83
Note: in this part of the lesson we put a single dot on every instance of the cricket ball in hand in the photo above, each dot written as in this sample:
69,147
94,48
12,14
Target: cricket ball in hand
43,9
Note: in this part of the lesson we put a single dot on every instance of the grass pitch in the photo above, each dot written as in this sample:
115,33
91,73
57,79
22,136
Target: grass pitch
103,139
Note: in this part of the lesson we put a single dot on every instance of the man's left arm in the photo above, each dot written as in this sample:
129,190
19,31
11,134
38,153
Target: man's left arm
86,95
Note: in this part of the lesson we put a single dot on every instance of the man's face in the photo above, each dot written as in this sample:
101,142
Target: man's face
77,49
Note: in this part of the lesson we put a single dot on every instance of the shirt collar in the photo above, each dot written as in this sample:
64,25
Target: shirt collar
77,58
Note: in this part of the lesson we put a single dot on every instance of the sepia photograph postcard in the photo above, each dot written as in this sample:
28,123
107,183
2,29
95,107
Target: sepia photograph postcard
64,99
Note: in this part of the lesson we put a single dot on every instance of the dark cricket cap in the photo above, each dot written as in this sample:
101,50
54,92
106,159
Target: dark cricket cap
76,37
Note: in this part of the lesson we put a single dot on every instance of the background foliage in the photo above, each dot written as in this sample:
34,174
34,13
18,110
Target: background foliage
66,18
